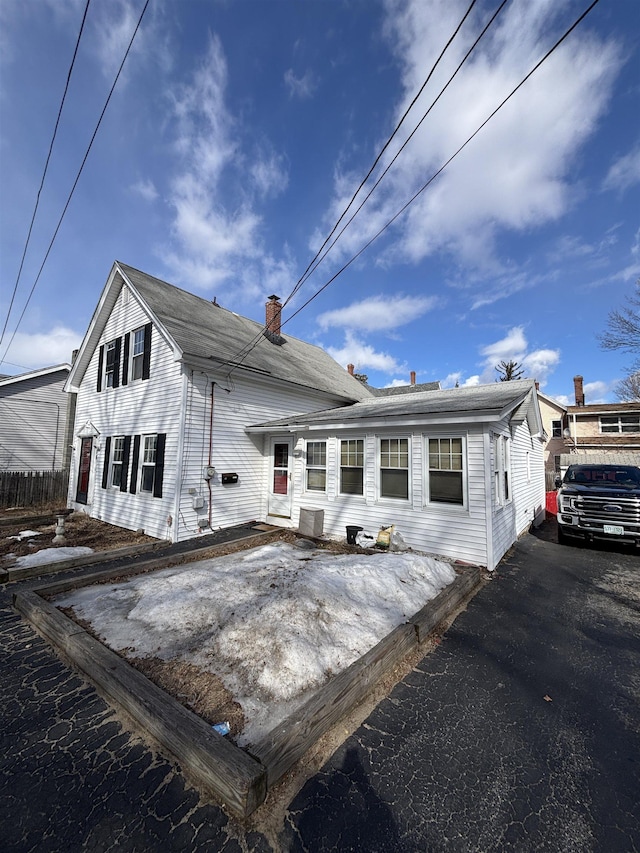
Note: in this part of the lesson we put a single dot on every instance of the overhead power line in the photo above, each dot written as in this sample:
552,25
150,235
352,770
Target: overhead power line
75,183
444,165
44,173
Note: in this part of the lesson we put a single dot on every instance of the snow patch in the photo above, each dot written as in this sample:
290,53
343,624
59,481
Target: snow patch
274,623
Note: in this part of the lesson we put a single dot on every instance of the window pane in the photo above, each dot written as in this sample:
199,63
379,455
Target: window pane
445,487
116,474
351,481
146,482
316,479
280,483
316,453
352,452
149,454
281,456
394,483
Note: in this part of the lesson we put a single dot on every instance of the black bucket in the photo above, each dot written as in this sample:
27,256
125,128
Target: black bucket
352,532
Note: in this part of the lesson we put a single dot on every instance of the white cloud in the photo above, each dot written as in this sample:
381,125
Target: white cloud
216,242
538,364
625,172
597,392
145,189
378,313
363,356
516,173
300,87
455,379
44,349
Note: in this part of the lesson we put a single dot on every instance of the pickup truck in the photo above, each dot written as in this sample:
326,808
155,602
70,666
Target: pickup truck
599,502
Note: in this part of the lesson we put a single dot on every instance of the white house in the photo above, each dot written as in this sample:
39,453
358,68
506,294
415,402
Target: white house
191,418
35,420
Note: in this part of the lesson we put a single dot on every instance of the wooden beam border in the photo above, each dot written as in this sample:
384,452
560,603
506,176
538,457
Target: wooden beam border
237,778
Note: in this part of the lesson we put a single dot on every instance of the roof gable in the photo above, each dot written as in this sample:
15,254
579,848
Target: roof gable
200,330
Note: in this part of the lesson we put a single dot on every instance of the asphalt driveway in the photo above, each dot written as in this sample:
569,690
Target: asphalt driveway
520,732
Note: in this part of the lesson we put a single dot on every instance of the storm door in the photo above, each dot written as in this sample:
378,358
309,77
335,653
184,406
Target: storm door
280,478
82,492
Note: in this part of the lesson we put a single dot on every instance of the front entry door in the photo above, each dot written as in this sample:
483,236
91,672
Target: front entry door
280,478
82,492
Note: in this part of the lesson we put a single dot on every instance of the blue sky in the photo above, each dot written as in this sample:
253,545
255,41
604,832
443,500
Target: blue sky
239,131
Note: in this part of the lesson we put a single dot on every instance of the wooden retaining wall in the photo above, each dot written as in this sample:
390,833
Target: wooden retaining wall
238,778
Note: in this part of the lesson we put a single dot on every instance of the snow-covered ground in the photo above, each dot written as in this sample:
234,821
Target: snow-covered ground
274,623
52,555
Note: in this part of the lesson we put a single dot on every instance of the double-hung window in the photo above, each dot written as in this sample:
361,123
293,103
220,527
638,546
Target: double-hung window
316,466
556,429
137,353
446,471
117,460
394,468
352,466
111,364
502,469
147,476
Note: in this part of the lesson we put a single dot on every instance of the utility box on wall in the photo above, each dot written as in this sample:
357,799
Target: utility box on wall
311,522
229,478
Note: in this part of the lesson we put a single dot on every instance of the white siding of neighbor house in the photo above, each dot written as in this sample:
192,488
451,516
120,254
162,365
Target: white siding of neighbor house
33,414
527,502
247,401
456,532
139,408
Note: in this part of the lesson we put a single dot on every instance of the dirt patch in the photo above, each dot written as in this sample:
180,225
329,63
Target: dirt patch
79,530
202,692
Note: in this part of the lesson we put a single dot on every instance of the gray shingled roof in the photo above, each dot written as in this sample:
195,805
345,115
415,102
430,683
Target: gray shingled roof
405,389
482,400
204,330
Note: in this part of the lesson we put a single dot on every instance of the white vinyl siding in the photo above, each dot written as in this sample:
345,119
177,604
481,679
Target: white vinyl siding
136,409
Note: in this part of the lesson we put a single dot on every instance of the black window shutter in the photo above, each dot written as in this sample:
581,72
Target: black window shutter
146,358
157,483
105,467
100,366
134,464
116,363
125,463
125,361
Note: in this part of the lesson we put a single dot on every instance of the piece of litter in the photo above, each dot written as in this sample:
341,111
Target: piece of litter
547,698
222,728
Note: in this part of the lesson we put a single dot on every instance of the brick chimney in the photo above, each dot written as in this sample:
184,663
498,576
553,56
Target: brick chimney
537,384
579,390
274,310
350,369
413,377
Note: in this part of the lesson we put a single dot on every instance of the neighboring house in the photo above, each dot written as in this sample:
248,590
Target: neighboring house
554,423
601,427
190,418
36,419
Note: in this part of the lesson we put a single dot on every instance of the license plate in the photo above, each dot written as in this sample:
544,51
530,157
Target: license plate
614,529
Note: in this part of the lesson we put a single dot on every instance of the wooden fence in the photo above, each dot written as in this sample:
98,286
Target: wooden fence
33,488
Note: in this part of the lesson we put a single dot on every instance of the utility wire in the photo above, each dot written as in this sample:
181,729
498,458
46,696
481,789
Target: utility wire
382,150
75,183
444,166
319,260
46,166
242,354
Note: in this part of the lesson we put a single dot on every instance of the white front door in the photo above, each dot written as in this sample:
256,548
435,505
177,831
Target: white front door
280,477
